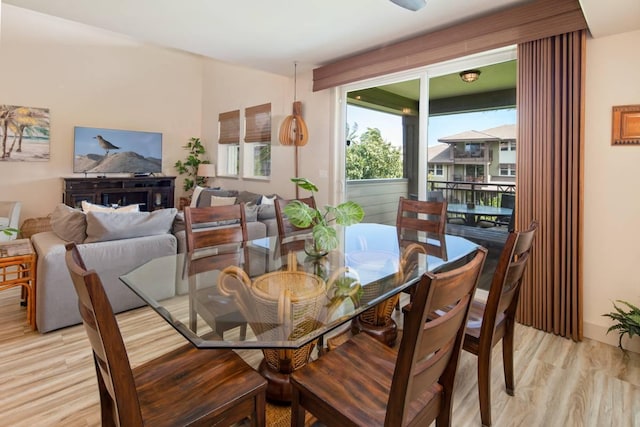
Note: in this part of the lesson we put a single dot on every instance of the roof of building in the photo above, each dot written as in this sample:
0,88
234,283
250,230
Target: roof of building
439,153
493,134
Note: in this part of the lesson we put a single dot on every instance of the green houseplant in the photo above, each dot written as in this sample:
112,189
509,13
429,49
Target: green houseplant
190,165
325,237
628,322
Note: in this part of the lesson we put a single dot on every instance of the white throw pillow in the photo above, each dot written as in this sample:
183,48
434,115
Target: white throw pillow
267,200
90,207
222,201
195,196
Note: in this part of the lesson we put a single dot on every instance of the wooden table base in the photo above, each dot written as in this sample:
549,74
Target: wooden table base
386,334
278,385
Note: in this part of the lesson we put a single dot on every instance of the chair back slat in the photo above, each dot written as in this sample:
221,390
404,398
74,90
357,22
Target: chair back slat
429,350
115,378
284,226
214,226
425,216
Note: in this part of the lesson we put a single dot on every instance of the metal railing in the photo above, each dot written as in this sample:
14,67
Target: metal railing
479,193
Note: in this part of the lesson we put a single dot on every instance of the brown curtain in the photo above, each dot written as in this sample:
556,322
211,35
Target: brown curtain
550,164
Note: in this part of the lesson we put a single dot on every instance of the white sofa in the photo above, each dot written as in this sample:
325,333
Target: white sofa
56,300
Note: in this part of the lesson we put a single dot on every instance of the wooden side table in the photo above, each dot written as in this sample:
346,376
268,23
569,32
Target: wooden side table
18,268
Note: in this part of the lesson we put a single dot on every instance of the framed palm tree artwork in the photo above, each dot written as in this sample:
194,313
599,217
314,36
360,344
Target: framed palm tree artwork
24,134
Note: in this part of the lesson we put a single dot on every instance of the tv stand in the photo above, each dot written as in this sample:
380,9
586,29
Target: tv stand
150,193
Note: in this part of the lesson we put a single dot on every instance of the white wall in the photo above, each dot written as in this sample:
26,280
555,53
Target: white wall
89,77
611,191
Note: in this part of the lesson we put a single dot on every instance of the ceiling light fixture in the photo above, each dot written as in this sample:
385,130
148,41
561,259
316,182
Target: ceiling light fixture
470,76
412,5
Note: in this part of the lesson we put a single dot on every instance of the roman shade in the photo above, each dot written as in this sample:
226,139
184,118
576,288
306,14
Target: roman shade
258,123
229,127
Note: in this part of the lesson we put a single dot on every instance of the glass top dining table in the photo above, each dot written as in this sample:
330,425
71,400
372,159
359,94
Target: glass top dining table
287,298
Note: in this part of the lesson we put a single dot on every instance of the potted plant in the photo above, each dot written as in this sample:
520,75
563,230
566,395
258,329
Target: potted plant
190,165
628,322
325,237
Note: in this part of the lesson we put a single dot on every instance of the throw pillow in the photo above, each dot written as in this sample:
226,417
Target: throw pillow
196,195
69,224
104,226
222,201
251,212
266,200
266,211
248,197
91,207
205,196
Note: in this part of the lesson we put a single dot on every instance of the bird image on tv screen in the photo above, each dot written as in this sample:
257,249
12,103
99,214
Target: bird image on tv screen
116,151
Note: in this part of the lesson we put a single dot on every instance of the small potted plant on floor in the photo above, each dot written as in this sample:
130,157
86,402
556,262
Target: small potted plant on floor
325,237
628,322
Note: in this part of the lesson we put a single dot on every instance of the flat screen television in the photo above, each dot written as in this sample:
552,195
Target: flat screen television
97,150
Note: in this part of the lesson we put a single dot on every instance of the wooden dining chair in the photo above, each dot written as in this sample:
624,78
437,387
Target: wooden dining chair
365,383
494,320
186,386
419,215
287,239
221,229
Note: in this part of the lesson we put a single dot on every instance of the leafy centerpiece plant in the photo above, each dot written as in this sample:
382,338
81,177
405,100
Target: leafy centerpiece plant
628,322
325,237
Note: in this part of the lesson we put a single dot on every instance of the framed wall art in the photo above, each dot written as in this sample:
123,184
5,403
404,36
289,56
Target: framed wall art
626,125
24,134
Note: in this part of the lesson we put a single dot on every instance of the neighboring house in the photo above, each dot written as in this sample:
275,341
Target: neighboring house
475,156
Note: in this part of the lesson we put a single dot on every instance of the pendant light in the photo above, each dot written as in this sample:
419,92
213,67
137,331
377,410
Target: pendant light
293,130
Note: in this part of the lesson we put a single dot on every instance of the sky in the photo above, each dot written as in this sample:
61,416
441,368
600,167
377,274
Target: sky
390,125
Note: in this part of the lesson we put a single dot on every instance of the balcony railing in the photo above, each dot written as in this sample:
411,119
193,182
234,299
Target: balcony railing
480,193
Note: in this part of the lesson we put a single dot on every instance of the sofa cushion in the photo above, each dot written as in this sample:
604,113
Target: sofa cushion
104,226
69,224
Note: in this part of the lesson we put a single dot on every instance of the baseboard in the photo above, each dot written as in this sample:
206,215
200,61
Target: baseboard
599,333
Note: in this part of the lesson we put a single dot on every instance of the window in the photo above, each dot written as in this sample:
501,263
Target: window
436,169
507,169
257,138
473,149
229,143
507,146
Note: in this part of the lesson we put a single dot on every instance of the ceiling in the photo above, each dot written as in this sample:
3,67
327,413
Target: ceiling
272,35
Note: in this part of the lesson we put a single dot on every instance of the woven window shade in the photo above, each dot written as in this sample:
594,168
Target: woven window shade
258,123
229,127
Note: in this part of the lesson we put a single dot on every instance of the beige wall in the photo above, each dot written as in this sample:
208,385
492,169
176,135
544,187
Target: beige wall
611,185
89,77
228,87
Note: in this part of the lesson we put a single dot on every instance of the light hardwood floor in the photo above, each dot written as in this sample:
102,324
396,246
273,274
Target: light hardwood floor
49,380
